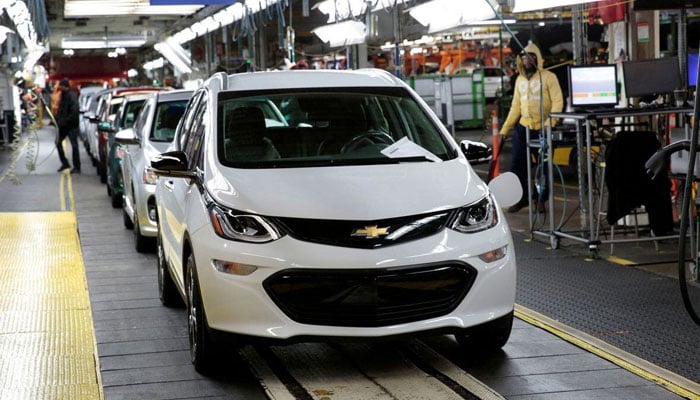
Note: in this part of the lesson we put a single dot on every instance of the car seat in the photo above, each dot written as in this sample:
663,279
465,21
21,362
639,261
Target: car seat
244,137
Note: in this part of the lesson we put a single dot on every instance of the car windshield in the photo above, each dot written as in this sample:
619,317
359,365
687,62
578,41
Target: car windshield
167,116
334,126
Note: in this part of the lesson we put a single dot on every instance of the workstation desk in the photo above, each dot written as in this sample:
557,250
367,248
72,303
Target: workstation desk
586,124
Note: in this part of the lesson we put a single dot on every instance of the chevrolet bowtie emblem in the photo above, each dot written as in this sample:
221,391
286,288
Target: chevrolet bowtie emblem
370,232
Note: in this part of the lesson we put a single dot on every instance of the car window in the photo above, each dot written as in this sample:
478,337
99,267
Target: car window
142,118
187,118
166,118
131,110
195,137
323,127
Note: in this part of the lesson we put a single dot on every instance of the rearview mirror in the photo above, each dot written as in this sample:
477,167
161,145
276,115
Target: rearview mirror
476,152
172,163
104,127
126,137
506,189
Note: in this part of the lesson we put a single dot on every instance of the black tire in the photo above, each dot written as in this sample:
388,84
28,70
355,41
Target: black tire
117,200
143,244
128,224
167,291
101,170
488,337
205,354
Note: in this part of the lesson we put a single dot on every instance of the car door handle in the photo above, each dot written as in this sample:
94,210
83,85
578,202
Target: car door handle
169,184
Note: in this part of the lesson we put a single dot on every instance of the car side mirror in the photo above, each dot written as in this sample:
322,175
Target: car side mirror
506,189
126,137
173,164
476,152
104,127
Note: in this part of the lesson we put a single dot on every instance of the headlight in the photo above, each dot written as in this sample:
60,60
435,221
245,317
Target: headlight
230,224
475,217
149,177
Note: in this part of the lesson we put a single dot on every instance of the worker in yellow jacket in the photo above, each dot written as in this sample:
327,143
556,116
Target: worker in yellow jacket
536,94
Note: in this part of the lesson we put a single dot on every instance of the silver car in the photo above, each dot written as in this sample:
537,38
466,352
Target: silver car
151,135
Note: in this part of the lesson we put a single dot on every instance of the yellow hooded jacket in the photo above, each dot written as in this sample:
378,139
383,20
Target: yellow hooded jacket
525,107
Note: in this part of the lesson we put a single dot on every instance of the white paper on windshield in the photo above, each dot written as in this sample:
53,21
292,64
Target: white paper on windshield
406,148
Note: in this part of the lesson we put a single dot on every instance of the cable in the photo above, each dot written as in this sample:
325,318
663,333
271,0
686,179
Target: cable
684,215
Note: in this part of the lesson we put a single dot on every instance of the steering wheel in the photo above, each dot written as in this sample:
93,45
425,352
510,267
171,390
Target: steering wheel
366,139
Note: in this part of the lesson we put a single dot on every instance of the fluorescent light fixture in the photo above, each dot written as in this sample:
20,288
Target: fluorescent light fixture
94,8
102,42
440,15
532,5
344,33
227,16
155,64
185,35
494,22
175,54
210,24
340,10
33,56
258,5
3,33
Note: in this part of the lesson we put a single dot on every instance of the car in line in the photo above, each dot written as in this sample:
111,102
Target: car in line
105,120
359,217
124,119
150,135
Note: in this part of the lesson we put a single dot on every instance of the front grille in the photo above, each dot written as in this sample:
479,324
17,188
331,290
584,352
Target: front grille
370,297
365,234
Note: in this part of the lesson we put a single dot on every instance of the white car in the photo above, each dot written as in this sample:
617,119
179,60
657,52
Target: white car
358,217
151,134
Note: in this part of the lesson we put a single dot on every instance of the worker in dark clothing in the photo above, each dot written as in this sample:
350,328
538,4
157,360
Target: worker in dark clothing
67,119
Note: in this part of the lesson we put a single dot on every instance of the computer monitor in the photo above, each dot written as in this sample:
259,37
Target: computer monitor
693,69
593,85
651,77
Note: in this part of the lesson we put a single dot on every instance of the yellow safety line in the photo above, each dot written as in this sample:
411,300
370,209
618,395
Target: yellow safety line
651,372
621,261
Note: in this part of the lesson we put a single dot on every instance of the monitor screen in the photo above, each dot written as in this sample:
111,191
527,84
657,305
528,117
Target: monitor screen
593,85
651,77
692,69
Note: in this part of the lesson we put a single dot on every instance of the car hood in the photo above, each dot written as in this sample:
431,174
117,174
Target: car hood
348,192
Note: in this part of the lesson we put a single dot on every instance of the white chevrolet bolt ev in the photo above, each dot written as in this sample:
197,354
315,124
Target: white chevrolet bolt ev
328,204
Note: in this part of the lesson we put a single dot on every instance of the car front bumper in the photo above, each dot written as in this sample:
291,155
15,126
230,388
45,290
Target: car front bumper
242,305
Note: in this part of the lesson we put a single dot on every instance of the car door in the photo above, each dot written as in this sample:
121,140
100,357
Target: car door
172,193
130,171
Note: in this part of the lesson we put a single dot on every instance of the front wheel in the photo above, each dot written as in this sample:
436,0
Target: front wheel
167,291
488,337
204,352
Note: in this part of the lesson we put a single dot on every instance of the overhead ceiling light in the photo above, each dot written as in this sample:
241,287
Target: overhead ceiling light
344,33
532,5
440,15
339,10
175,54
494,22
157,63
102,43
93,8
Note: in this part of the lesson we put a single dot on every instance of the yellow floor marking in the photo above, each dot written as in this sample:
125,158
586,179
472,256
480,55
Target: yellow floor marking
621,261
651,372
47,341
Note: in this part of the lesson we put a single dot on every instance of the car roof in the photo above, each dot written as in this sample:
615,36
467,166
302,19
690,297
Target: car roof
174,95
292,79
